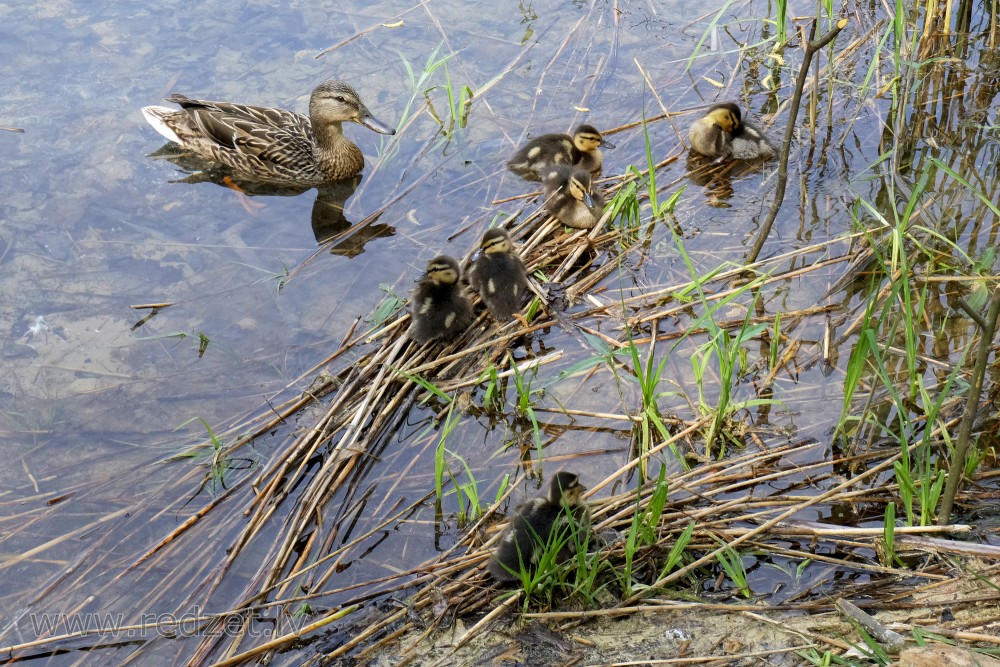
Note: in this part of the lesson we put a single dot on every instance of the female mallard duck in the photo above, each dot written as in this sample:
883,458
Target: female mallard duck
583,149
499,276
272,145
570,197
438,307
722,133
560,520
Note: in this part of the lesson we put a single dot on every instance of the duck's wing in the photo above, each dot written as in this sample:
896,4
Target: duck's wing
223,122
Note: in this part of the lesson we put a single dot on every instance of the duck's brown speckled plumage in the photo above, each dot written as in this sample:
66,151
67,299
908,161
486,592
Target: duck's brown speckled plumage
268,144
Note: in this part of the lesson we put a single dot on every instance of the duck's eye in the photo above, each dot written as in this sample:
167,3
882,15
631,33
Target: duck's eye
340,98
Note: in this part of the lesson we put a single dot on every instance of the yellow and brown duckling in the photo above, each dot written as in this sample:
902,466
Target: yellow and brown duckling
499,275
272,145
559,520
583,150
571,198
439,309
722,133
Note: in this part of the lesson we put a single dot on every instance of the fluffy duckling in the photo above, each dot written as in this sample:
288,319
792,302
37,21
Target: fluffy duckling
570,197
272,145
537,523
438,307
499,275
721,133
583,150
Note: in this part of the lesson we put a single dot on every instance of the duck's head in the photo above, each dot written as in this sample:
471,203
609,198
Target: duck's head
586,138
574,182
335,102
566,489
443,270
496,240
727,116
579,186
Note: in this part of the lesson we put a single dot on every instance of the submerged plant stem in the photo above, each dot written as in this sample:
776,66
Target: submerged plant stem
971,408
811,47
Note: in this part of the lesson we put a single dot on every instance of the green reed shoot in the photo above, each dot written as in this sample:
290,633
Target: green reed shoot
643,529
625,207
732,562
888,556
549,573
493,397
469,506
725,350
220,464
780,21
775,342
387,307
648,378
440,464
525,402
502,489
659,210
707,34
676,554
426,385
458,105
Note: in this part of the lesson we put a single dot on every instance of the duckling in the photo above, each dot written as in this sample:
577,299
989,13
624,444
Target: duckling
499,275
438,307
570,197
722,133
537,523
583,149
272,145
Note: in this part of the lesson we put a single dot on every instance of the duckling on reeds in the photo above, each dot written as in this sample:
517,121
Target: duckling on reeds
722,133
439,309
571,198
499,275
272,145
559,520
583,150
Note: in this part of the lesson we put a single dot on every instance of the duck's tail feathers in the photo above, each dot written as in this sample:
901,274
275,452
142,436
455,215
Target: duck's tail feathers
155,117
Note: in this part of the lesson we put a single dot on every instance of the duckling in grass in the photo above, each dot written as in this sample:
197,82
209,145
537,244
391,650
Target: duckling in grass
499,275
560,518
438,307
721,133
272,145
571,198
583,150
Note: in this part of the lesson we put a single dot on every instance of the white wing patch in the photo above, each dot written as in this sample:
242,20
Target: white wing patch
427,305
491,287
449,319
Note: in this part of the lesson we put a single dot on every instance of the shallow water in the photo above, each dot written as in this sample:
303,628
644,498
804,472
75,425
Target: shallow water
92,410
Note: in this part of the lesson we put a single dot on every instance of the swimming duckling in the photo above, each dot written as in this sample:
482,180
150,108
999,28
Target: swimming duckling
438,307
570,197
538,523
583,149
721,133
272,145
499,275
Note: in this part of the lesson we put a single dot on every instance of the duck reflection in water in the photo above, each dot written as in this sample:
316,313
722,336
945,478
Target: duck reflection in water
328,219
